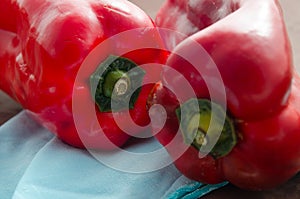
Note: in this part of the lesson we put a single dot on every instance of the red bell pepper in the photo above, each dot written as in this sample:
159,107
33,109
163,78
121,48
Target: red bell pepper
258,147
45,43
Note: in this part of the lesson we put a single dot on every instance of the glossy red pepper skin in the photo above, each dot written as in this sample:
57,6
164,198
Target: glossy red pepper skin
266,156
251,50
240,47
52,40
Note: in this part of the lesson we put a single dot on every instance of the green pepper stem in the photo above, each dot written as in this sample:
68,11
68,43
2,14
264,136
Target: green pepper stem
116,84
199,127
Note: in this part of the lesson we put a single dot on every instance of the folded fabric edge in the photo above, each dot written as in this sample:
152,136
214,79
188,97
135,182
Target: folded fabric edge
195,190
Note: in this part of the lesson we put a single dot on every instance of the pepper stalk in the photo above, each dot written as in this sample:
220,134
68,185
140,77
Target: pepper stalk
116,84
201,125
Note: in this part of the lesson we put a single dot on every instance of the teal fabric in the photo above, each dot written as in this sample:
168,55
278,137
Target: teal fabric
194,190
36,165
20,140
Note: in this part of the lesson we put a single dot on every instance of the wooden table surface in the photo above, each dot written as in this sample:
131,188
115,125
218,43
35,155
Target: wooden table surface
291,189
8,108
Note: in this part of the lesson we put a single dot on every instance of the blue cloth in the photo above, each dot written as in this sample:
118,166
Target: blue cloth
36,165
